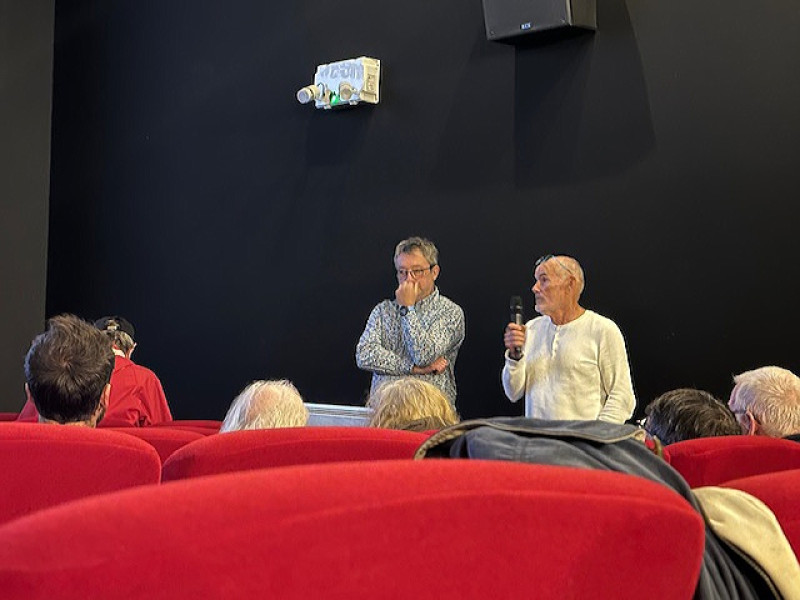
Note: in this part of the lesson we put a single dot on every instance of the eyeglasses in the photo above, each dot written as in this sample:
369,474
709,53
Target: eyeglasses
543,259
413,273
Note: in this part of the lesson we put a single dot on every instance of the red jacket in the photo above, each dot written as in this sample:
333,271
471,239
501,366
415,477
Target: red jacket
137,398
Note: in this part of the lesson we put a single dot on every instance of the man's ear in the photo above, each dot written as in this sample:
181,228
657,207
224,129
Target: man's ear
573,284
39,418
105,395
435,272
755,427
102,405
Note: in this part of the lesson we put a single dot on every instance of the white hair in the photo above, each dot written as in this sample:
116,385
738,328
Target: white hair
266,405
773,396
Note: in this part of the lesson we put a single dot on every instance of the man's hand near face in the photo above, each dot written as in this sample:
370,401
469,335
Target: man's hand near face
407,293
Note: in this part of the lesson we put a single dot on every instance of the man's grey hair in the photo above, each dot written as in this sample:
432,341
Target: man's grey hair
266,405
773,396
426,248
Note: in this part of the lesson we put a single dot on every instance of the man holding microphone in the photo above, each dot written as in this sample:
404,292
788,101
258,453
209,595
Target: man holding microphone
570,363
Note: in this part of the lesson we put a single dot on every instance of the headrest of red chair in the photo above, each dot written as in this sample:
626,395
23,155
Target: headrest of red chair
45,465
713,460
401,529
191,423
165,441
780,492
263,448
27,433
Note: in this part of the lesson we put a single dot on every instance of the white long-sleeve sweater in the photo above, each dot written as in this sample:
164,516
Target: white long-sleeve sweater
578,370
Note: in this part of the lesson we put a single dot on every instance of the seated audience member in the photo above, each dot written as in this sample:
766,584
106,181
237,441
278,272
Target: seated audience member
766,401
410,404
67,372
685,414
137,397
266,405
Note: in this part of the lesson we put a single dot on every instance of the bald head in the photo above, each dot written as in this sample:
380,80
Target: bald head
571,268
564,269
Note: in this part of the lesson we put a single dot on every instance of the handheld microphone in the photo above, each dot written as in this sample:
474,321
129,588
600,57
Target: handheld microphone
516,317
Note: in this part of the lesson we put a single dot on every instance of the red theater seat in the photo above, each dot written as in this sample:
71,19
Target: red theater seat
385,529
258,449
45,465
780,491
164,440
714,460
193,424
8,416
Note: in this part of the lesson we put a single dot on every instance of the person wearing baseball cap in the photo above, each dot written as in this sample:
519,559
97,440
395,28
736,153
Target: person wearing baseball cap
137,397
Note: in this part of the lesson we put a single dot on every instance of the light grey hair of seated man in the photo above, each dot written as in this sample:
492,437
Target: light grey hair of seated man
266,405
766,401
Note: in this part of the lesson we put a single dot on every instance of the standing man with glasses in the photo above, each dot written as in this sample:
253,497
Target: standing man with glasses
420,331
569,363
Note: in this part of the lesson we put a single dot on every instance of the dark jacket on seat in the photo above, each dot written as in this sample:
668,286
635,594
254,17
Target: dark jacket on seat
726,573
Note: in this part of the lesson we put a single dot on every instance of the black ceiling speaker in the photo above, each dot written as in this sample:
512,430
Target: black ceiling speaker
514,20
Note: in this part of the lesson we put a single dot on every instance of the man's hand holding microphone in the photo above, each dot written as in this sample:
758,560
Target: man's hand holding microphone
514,337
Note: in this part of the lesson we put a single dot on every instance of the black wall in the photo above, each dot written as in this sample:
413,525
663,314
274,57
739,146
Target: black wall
247,236
26,66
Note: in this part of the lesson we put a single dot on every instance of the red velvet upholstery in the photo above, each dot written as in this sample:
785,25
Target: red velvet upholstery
8,416
384,529
45,465
204,431
713,460
163,439
192,424
780,491
258,449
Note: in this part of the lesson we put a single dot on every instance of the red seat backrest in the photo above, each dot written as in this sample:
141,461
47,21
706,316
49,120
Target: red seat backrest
401,529
262,448
163,439
194,424
713,460
780,491
45,465
8,416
